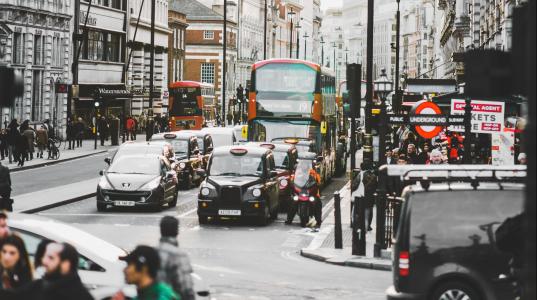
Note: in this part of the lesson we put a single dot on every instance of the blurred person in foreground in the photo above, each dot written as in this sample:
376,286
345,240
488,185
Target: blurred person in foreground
142,268
15,268
175,269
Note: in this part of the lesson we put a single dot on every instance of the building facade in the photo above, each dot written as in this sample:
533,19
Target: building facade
250,48
139,56
204,49
176,43
35,40
101,68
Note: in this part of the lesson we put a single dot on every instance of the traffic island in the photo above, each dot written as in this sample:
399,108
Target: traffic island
322,247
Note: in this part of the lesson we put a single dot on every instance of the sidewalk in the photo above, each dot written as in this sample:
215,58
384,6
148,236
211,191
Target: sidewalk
87,149
322,248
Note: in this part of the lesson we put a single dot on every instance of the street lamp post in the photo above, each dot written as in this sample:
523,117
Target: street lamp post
368,143
224,63
383,86
306,36
265,32
322,51
298,40
291,14
397,102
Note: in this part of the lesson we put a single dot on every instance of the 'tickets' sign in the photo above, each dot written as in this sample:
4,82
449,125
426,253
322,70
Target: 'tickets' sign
487,116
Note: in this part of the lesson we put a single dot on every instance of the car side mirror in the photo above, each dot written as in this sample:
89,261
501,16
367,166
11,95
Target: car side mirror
273,174
108,160
101,172
320,159
209,149
196,152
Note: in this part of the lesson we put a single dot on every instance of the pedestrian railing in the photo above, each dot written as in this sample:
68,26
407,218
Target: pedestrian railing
392,214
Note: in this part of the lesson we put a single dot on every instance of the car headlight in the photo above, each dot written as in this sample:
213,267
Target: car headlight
256,192
284,182
182,165
104,184
295,198
312,199
205,191
151,185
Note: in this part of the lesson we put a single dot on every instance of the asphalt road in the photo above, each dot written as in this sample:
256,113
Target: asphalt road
237,260
33,180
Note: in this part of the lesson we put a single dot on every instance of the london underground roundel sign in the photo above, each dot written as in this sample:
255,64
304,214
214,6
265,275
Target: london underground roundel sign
425,107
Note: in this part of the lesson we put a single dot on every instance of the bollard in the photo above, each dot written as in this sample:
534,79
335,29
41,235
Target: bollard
359,230
337,216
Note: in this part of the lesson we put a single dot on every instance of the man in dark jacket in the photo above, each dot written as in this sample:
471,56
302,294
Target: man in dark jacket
175,268
61,280
5,188
102,127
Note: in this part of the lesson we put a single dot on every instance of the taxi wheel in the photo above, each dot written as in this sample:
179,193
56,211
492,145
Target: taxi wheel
274,213
173,203
264,220
203,220
101,207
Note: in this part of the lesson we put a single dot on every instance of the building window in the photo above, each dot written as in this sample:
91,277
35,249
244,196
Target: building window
208,35
38,49
207,73
18,48
116,4
37,99
113,47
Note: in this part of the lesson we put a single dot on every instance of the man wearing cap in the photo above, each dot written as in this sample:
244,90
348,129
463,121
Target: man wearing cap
175,269
522,159
142,268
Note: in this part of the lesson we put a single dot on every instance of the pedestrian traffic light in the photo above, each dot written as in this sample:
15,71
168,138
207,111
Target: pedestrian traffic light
61,88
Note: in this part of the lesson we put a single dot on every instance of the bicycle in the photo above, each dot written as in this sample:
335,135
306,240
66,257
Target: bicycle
54,145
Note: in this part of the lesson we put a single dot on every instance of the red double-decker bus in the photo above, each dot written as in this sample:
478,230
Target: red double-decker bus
191,105
294,99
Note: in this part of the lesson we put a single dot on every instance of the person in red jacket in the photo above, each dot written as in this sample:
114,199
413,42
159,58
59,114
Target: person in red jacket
130,126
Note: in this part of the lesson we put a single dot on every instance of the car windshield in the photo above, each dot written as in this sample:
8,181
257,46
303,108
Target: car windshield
179,146
281,159
139,150
200,144
136,165
302,173
237,166
220,140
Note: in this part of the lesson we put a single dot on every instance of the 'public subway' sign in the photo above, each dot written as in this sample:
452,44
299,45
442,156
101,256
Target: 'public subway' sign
487,116
426,120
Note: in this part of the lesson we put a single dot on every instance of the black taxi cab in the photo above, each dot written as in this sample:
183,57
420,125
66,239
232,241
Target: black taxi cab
205,144
188,159
242,182
285,158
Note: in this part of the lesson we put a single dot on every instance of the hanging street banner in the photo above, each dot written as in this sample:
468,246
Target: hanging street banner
487,116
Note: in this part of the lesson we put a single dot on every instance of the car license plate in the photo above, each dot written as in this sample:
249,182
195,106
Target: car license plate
232,213
124,203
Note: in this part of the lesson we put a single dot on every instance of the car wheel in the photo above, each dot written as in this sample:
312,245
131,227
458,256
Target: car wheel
264,220
188,182
173,203
203,220
101,207
455,291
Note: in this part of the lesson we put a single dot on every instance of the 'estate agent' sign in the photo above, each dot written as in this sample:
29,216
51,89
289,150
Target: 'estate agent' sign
487,116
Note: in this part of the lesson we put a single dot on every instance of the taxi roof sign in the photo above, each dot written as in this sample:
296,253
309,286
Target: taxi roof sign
170,136
269,146
238,151
291,141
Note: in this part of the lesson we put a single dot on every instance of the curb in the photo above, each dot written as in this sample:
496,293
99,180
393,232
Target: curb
57,204
54,162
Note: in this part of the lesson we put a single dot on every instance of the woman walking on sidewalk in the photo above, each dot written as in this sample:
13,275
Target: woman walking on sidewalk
42,140
29,133
13,135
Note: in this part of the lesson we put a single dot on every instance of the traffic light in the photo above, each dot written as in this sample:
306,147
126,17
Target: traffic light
61,88
11,86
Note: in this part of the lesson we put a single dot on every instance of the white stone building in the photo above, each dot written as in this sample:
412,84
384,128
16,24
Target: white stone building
35,40
139,65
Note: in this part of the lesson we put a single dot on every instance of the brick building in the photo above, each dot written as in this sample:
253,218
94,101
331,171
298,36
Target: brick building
204,47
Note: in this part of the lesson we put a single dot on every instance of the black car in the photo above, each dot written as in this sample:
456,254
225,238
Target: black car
242,182
137,180
445,246
205,144
188,159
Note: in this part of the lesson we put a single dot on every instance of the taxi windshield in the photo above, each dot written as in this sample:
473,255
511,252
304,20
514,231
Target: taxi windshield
179,146
302,173
281,159
235,165
136,165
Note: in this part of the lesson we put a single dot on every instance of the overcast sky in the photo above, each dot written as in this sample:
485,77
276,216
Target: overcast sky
330,3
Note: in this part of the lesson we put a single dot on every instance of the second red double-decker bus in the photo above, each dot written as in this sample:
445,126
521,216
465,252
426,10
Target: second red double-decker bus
191,105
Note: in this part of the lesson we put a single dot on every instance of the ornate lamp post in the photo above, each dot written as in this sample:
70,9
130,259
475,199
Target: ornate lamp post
383,87
306,36
291,14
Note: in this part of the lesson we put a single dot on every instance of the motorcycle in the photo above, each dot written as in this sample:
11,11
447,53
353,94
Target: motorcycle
305,191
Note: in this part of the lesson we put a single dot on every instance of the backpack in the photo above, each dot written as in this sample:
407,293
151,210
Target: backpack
369,179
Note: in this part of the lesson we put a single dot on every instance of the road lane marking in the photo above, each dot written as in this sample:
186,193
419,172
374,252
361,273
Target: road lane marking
188,213
100,215
216,269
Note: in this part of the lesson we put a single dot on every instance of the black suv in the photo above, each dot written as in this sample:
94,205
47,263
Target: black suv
445,244
242,182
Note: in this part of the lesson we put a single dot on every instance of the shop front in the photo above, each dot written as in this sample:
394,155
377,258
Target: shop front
114,101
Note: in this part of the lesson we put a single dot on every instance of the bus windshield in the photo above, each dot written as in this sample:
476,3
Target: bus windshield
288,78
185,102
268,130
